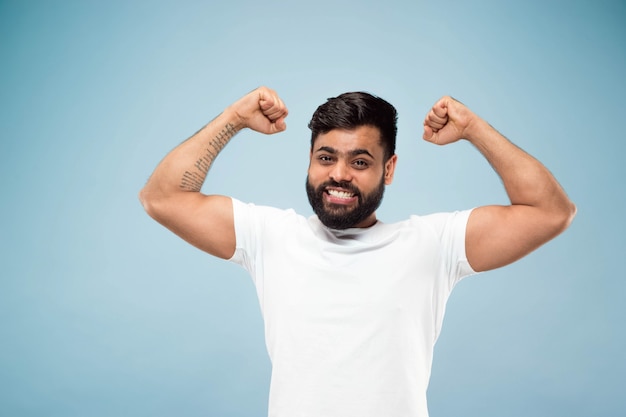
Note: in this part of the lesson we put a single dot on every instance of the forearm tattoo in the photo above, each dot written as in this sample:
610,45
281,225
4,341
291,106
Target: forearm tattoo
193,180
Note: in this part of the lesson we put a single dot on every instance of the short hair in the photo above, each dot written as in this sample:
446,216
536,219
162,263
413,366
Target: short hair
352,110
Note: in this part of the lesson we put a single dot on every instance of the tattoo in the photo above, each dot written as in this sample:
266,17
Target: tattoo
193,180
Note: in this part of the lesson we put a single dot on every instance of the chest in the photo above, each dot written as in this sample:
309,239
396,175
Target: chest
311,281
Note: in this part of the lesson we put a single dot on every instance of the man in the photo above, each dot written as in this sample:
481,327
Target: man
353,306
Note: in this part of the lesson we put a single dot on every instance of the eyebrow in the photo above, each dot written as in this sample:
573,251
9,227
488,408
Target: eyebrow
353,152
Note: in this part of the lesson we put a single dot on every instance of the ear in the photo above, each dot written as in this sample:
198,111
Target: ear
390,167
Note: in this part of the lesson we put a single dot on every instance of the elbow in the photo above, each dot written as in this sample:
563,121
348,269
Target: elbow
566,216
159,205
571,213
149,202
144,198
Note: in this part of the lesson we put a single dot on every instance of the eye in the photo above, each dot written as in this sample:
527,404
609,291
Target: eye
325,159
360,164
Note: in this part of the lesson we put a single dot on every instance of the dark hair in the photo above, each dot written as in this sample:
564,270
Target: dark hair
351,110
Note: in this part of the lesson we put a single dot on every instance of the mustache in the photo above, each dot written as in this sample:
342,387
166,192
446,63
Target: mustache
343,184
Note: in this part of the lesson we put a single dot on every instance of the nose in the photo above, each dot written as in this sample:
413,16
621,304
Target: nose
340,172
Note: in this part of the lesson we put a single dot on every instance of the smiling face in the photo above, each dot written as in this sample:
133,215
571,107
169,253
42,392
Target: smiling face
347,176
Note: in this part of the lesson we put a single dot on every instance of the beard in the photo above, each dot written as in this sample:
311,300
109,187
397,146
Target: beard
337,216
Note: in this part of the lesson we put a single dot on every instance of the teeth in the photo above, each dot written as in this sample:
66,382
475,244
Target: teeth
340,194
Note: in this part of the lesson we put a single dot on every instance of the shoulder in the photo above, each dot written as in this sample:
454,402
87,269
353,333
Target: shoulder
438,225
441,219
261,214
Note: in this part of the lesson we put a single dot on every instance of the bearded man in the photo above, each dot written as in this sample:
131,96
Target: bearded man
353,306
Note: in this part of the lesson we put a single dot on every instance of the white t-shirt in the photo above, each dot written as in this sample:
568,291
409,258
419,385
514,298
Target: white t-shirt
351,316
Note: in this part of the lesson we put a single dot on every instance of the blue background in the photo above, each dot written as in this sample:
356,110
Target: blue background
103,312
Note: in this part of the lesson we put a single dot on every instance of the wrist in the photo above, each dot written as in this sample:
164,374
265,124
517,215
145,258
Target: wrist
231,116
477,130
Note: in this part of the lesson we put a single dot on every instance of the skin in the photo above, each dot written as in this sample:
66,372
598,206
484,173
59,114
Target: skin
539,209
206,221
355,156
495,236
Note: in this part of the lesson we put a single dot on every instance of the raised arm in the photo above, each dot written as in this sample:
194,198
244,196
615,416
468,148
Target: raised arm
539,209
172,194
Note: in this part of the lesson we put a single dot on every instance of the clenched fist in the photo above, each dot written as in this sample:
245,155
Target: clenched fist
261,110
448,121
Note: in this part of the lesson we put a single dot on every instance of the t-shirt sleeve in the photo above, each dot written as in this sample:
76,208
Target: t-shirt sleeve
256,231
246,235
451,229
